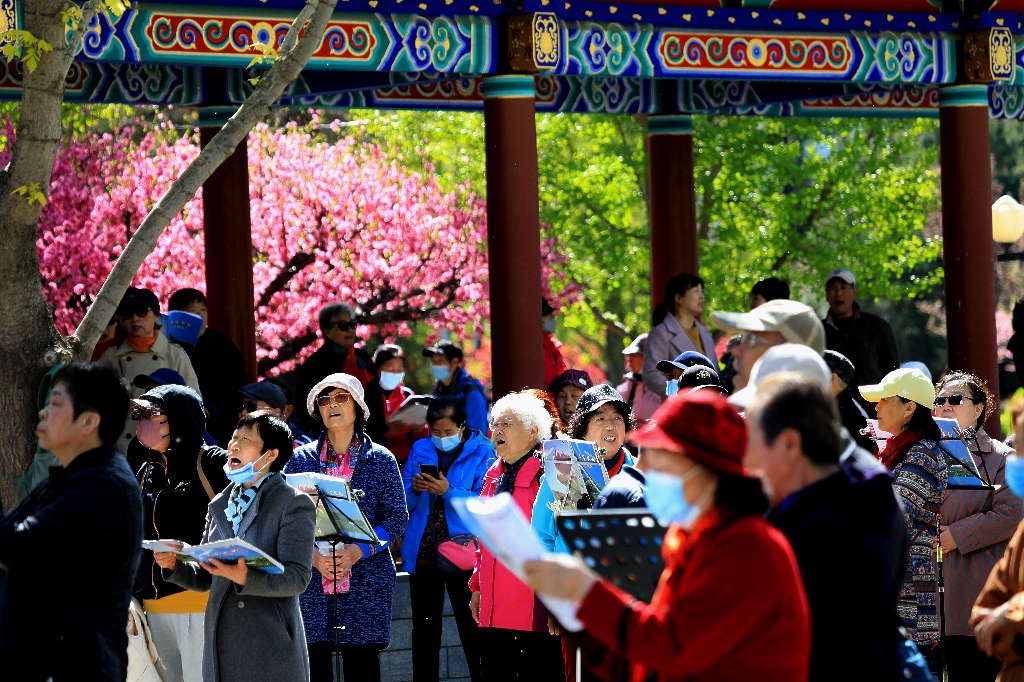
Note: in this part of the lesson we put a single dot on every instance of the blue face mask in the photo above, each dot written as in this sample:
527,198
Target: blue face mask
389,380
666,500
1015,474
244,473
671,387
447,443
441,372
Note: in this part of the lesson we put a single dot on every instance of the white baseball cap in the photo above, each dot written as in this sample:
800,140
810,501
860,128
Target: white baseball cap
843,274
797,322
788,357
345,382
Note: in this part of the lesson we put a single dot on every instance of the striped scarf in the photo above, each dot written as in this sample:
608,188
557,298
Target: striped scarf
239,500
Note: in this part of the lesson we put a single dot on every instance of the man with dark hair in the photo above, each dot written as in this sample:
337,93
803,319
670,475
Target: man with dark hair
337,354
768,289
299,437
59,618
843,522
866,339
454,382
218,364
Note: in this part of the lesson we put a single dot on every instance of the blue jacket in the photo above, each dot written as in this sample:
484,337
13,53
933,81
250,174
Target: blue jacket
543,520
469,390
465,477
365,610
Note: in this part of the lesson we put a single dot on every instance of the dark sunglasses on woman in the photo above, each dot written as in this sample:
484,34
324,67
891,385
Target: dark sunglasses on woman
954,400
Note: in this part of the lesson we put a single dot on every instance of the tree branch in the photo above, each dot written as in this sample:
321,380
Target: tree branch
89,11
293,267
610,225
256,107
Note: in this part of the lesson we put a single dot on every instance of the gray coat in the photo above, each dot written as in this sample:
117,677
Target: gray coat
255,632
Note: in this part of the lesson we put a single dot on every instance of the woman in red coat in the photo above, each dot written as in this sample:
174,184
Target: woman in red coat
730,605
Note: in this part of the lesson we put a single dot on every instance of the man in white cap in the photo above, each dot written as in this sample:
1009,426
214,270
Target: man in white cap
866,339
770,324
632,389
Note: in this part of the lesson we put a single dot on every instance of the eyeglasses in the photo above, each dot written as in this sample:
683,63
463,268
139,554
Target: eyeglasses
503,424
954,400
752,339
336,399
346,326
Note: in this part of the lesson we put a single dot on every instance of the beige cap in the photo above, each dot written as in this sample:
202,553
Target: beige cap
909,384
797,322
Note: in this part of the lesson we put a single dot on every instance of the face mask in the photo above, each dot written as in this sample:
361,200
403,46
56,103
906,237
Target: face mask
148,434
441,372
389,381
447,443
244,473
549,324
1015,474
666,500
671,387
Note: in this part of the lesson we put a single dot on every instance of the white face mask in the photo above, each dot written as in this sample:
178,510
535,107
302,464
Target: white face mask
389,381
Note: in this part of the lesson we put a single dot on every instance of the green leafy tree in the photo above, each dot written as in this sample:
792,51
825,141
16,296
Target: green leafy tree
792,198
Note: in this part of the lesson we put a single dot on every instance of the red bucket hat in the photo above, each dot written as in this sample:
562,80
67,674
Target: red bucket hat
701,425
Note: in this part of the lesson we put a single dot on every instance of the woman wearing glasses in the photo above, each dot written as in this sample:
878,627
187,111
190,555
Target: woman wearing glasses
361,577
976,524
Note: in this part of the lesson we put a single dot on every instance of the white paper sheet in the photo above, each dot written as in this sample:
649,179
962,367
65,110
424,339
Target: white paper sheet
501,526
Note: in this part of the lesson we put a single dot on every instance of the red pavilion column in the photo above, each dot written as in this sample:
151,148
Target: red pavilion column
228,240
672,203
968,256
513,233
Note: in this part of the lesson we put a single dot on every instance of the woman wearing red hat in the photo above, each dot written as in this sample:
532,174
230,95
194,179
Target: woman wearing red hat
730,604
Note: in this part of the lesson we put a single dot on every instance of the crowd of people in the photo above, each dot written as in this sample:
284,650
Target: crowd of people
819,526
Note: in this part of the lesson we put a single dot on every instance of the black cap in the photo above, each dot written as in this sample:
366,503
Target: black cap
840,365
698,375
570,377
267,392
596,396
445,348
136,300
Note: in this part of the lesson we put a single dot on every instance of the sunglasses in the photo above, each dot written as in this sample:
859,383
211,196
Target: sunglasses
337,399
346,326
751,339
954,400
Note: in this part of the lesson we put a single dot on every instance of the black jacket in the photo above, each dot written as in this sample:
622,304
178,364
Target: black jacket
376,424
175,500
847,532
328,359
627,489
867,340
218,364
71,549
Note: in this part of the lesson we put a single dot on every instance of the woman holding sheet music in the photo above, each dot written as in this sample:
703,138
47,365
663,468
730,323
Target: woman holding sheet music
253,628
353,586
450,463
976,524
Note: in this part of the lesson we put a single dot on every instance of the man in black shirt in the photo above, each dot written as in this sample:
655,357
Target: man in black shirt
866,339
72,547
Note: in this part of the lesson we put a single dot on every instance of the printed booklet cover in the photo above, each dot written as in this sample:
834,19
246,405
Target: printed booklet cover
222,550
338,516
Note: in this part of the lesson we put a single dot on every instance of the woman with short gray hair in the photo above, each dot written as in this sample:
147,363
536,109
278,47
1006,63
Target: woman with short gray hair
514,639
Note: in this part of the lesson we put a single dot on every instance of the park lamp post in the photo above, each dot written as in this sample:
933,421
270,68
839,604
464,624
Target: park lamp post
1007,226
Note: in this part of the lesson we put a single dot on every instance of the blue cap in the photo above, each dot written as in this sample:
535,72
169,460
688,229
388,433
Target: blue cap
161,377
686,360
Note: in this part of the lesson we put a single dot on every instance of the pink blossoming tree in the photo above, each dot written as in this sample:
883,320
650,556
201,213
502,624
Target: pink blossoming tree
330,221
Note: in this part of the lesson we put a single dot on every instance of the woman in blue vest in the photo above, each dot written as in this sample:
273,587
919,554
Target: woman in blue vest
450,463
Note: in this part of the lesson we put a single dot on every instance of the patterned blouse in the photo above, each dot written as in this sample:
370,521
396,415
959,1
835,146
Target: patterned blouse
920,481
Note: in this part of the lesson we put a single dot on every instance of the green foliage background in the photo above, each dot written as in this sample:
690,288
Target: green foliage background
787,197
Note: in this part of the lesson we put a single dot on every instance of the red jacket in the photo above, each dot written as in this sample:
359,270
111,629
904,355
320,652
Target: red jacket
730,607
505,601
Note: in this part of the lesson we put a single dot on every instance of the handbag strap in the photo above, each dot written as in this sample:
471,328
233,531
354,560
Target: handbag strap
202,475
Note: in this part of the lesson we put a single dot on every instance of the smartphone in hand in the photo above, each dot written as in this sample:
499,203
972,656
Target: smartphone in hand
430,470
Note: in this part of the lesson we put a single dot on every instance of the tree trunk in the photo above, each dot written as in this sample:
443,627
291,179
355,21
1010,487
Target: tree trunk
29,342
26,327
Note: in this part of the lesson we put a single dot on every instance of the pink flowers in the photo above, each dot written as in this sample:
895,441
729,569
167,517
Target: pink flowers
330,221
